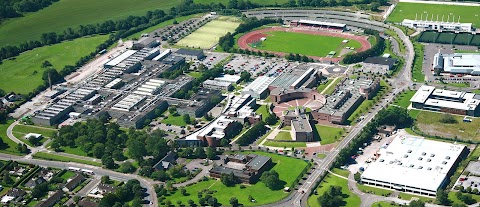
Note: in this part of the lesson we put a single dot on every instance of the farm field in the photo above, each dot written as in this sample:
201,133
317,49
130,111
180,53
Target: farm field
298,43
207,36
18,75
429,123
351,200
405,10
72,13
283,165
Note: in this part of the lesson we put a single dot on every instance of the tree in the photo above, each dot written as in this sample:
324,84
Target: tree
448,119
245,76
332,197
105,179
234,201
186,119
272,180
46,64
211,153
442,197
416,203
98,150
126,167
357,177
200,153
159,175
7,179
172,110
54,76
229,180
108,162
40,190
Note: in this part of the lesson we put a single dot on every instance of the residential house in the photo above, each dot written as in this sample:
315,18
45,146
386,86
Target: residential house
166,162
34,182
73,182
52,200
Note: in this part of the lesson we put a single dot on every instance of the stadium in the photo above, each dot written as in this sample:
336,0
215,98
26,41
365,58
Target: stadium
315,39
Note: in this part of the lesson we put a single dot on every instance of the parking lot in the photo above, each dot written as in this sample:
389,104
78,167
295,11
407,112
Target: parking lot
259,66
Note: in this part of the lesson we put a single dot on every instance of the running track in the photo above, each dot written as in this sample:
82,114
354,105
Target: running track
255,35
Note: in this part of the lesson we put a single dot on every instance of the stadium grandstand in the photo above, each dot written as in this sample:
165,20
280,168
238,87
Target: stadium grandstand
318,24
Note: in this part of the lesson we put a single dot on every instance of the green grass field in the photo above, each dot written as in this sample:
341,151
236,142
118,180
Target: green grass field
290,42
285,144
47,156
283,165
322,87
10,148
328,134
163,24
373,190
263,110
417,71
406,196
332,86
341,172
174,120
429,123
195,74
74,151
19,75
367,104
207,36
405,10
25,129
72,13
403,100
283,136
350,198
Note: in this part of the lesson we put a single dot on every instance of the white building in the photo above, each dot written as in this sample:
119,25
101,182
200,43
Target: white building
217,85
414,164
464,63
228,78
259,87
439,26
33,136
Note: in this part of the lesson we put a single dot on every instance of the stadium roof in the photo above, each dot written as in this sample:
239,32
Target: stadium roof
303,21
414,162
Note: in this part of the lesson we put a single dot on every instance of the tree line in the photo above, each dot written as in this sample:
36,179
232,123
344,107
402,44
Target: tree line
252,134
15,8
130,194
375,50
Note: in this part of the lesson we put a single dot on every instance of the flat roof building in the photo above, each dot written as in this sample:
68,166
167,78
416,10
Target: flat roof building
455,102
414,164
259,87
228,78
217,85
464,63
439,26
190,54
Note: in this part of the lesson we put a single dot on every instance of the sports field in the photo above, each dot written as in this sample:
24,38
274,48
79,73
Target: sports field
72,13
305,44
404,10
19,75
207,36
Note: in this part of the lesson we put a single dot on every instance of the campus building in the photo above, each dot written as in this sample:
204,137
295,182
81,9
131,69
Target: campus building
299,120
191,54
414,165
463,63
217,85
439,26
454,102
247,168
259,87
380,65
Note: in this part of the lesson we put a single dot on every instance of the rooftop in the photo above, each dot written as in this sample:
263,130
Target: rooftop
380,60
188,52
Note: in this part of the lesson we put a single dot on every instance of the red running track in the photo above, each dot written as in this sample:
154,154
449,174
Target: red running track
253,36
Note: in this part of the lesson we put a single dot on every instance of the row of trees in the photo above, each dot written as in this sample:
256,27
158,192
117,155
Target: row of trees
131,192
252,134
375,50
15,8
298,57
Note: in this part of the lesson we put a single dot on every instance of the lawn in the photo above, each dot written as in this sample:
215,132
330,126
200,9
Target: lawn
341,172
163,24
452,197
67,174
47,156
321,87
25,129
321,156
195,74
406,196
351,200
417,73
74,151
73,13
328,134
10,149
403,100
383,204
367,104
373,190
283,165
24,73
333,85
263,110
208,35
174,120
405,10
285,144
414,113
429,123
283,136
299,43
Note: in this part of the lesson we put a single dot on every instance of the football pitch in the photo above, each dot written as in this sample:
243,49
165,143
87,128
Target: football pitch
404,10
304,44
208,35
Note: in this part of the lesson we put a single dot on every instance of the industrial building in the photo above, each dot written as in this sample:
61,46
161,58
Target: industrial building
191,54
454,102
259,87
199,103
414,165
216,131
458,63
217,85
234,79
241,109
439,26
248,168
302,76
148,42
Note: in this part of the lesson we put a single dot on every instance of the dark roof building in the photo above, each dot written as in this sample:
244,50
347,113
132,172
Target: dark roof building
34,182
166,162
74,182
50,201
87,203
105,188
253,167
191,54
381,61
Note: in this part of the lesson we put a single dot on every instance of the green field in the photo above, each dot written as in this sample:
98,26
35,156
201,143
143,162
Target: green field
163,24
350,198
25,129
283,136
19,75
207,36
72,13
261,193
406,196
403,100
321,87
417,71
429,123
299,43
285,144
373,190
332,86
10,148
383,204
328,134
174,120
405,10
263,110
47,156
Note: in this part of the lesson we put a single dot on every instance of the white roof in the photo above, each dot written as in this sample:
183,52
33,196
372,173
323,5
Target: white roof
321,23
260,84
217,83
414,162
228,78
216,128
6,199
120,58
422,94
33,135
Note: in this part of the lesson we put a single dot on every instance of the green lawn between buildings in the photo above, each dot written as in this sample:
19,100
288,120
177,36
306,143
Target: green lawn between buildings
328,134
367,104
285,144
332,86
174,120
321,87
403,100
374,190
283,136
406,196
18,75
299,43
417,71
405,10
261,193
351,199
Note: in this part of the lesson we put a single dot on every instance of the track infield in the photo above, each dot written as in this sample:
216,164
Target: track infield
315,44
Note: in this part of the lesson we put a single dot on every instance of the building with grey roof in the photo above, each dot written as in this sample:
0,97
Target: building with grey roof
248,168
190,54
148,41
259,87
217,85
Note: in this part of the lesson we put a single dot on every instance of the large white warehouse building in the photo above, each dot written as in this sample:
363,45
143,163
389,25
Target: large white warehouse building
465,63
